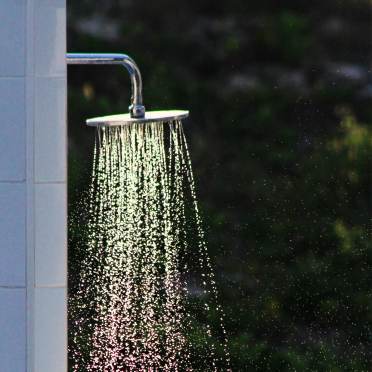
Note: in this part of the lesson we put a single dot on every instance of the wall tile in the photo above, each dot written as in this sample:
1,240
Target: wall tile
50,330
13,329
12,37
50,37
13,234
12,129
50,235
50,130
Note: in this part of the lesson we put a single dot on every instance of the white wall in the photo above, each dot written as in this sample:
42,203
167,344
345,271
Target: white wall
33,248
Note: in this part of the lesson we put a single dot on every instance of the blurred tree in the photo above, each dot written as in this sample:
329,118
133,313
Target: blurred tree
278,92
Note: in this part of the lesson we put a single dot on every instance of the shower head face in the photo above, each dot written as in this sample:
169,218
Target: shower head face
125,119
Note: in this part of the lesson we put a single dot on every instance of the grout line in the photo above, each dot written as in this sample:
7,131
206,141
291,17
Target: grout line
15,77
50,182
18,77
12,287
30,226
56,77
12,181
51,286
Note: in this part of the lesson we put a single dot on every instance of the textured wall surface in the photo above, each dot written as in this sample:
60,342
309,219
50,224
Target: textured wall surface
33,199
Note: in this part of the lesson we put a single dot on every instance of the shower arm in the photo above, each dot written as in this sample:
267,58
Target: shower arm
136,109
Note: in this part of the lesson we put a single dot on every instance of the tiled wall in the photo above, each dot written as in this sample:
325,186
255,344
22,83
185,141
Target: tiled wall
33,200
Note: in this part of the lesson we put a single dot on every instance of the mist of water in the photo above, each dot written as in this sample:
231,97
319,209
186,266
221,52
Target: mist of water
146,298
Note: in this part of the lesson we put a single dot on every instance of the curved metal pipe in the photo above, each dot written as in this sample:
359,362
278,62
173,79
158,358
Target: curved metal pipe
136,109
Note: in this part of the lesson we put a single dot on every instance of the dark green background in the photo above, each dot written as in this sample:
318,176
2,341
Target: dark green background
281,141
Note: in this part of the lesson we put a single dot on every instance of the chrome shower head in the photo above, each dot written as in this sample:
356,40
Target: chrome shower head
150,117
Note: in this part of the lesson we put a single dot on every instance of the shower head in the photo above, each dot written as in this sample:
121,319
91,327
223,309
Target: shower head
137,112
150,117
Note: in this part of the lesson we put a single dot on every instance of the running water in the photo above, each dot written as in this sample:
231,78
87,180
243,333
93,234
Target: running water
136,307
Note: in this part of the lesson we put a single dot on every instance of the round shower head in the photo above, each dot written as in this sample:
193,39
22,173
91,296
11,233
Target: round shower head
150,117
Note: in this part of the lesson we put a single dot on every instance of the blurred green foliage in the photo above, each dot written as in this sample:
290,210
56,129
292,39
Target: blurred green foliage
281,141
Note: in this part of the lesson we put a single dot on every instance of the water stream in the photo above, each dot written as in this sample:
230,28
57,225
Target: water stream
146,298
